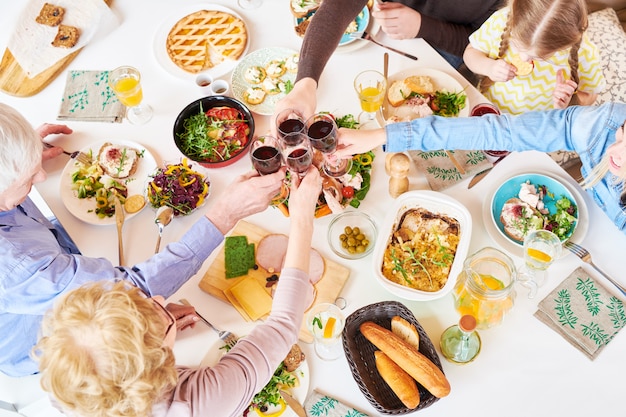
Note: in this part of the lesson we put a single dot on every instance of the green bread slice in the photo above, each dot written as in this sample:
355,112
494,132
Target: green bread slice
238,256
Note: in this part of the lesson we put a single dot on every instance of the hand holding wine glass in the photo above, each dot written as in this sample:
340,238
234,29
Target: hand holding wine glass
265,154
298,157
125,82
322,133
290,126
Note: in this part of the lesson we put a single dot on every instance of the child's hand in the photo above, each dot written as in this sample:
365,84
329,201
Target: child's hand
563,91
501,71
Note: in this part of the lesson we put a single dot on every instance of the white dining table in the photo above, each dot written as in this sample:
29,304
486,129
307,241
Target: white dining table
524,368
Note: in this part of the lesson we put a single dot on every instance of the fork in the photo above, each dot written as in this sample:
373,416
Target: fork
226,336
81,157
584,254
367,37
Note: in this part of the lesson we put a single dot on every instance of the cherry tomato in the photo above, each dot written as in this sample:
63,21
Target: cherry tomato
348,192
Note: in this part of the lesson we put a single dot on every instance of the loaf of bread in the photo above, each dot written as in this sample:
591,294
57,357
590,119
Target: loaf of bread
408,358
401,383
398,92
406,331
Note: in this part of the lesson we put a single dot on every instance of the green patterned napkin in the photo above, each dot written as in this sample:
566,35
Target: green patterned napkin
318,404
582,311
441,172
88,97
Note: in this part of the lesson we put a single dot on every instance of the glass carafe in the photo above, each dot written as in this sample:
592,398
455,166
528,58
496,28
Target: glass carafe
484,289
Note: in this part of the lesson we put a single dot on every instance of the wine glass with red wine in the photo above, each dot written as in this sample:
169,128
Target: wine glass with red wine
265,155
299,157
322,133
290,127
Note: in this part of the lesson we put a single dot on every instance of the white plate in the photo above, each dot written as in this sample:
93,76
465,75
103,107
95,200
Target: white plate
160,42
300,392
437,203
441,81
260,57
135,184
515,248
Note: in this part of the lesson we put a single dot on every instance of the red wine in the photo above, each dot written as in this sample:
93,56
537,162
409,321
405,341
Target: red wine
300,160
289,130
266,160
323,136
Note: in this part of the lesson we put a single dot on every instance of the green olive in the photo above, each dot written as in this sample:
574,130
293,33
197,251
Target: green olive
348,230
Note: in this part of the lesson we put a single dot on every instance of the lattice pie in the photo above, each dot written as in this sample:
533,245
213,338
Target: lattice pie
206,38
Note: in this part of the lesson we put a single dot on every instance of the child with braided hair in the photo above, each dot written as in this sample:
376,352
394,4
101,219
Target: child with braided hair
536,55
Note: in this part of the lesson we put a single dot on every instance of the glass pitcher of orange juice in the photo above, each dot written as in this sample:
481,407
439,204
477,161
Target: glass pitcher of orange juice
484,289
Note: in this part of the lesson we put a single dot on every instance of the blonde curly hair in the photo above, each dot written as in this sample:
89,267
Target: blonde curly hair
102,352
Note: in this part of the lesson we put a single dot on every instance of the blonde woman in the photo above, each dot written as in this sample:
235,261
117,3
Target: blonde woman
106,348
595,132
536,55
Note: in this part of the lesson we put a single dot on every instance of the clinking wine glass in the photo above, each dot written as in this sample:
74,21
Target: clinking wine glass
322,133
290,127
265,155
371,87
299,157
125,82
541,248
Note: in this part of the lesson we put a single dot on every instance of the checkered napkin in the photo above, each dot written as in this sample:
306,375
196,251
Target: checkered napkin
318,404
582,311
88,97
442,173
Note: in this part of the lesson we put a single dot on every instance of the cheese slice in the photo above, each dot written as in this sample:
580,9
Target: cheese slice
252,297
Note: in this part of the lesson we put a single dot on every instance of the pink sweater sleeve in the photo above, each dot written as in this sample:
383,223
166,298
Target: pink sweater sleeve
230,385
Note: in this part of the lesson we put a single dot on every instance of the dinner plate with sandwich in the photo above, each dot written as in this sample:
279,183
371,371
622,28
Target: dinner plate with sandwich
201,38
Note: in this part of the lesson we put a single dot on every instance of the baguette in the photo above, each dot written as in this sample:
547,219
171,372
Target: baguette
406,331
408,358
401,383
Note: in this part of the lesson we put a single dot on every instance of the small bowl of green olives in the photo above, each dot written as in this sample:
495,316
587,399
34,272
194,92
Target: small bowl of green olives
352,234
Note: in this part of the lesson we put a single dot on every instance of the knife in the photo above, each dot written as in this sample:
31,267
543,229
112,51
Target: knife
293,403
482,174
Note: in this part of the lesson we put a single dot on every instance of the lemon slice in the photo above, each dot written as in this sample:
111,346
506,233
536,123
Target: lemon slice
134,203
539,255
328,329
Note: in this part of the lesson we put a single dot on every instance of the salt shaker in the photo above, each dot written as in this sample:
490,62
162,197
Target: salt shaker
460,343
399,165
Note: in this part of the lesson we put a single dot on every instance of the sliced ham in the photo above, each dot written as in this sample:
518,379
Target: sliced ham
270,255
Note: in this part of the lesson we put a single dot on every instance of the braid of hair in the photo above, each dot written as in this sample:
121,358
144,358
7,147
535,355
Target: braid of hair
573,67
487,82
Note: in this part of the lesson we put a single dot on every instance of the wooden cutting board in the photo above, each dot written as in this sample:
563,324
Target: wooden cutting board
215,283
14,81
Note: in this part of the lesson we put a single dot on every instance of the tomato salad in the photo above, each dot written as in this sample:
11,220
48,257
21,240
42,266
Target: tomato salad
215,135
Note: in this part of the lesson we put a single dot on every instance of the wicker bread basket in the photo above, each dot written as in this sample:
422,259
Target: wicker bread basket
360,355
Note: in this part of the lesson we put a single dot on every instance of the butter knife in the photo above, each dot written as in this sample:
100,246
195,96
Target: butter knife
367,37
293,403
482,174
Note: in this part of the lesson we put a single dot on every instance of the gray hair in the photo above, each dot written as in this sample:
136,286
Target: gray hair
20,147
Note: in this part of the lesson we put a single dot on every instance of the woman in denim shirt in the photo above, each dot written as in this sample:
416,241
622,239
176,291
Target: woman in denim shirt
595,132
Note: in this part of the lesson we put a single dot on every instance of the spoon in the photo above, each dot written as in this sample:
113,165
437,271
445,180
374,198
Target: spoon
164,216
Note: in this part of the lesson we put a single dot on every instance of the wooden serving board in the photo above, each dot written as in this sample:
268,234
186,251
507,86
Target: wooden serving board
14,81
215,283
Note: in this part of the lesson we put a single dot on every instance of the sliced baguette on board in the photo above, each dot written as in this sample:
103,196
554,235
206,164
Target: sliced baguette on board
406,331
408,358
401,383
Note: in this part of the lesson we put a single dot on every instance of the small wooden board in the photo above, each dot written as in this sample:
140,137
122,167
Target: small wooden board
14,81
215,283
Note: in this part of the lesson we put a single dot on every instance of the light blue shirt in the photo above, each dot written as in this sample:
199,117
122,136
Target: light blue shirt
588,130
35,269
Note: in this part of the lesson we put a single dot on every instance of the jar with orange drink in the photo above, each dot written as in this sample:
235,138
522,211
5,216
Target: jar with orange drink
484,288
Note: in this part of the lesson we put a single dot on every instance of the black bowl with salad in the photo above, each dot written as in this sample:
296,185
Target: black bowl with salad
214,131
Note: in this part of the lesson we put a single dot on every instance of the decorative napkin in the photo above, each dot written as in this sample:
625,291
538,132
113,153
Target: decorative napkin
88,97
440,170
583,312
318,404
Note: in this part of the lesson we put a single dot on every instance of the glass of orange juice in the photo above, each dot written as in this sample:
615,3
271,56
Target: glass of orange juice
371,87
541,248
325,321
125,82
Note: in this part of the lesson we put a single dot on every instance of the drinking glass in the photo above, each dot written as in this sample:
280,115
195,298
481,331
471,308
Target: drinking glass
126,84
371,87
325,321
249,4
298,157
290,126
541,248
322,133
265,154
